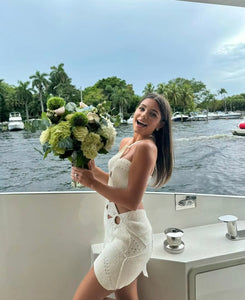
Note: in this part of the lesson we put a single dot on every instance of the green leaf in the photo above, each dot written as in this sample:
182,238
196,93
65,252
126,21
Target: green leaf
67,154
103,151
39,151
44,116
46,147
104,121
79,160
44,124
71,107
116,120
46,153
66,143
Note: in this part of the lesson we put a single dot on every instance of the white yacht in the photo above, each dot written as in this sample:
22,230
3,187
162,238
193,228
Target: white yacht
230,115
179,117
195,116
49,241
15,121
213,115
131,119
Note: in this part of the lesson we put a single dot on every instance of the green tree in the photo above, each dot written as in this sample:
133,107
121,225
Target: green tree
209,102
60,84
149,88
24,95
173,95
221,92
161,89
93,96
107,85
120,98
186,98
40,82
3,106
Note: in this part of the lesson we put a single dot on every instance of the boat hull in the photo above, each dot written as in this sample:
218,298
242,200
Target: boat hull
240,132
16,126
46,241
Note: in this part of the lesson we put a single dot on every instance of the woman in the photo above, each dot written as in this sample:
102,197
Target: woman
142,158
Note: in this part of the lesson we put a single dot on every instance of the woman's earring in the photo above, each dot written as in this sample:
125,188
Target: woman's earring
157,129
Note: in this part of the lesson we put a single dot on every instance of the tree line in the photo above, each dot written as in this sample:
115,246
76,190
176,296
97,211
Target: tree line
30,97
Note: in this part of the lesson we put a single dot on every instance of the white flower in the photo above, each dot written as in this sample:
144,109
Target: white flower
59,111
82,104
109,133
92,117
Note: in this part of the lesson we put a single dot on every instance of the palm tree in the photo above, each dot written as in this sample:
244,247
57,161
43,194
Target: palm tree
40,82
3,113
221,92
57,78
149,88
161,89
173,95
24,95
120,98
58,73
187,97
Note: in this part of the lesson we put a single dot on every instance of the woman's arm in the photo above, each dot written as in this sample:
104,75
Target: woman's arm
141,168
98,173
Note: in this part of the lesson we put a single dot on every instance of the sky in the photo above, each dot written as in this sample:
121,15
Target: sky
139,41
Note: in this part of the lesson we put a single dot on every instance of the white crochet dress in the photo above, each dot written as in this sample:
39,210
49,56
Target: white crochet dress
128,244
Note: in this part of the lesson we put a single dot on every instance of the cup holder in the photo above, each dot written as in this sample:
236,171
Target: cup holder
174,243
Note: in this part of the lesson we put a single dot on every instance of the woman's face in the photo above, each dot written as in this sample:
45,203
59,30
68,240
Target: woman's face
147,117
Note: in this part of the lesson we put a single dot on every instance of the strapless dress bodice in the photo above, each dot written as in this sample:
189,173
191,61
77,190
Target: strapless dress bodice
118,170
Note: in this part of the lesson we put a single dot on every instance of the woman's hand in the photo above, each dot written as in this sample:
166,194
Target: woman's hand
91,165
84,176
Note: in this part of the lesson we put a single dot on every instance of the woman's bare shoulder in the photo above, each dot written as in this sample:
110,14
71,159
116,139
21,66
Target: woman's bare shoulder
124,142
146,147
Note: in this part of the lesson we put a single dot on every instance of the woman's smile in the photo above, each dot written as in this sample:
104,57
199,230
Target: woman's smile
140,123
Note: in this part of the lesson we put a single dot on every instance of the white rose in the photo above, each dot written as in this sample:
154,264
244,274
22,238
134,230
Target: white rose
82,105
92,117
59,111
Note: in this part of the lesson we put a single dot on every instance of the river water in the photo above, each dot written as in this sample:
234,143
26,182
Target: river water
208,159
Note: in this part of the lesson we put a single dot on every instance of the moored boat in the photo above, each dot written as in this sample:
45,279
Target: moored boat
213,115
195,116
15,121
179,117
130,120
240,130
230,115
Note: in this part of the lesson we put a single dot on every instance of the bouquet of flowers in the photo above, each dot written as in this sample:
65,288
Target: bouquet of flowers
76,133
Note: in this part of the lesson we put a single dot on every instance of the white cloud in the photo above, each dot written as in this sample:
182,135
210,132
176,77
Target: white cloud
229,58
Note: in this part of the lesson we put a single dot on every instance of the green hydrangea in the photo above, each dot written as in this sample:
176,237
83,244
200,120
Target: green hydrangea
80,133
91,145
68,117
45,136
58,133
55,102
109,133
79,119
